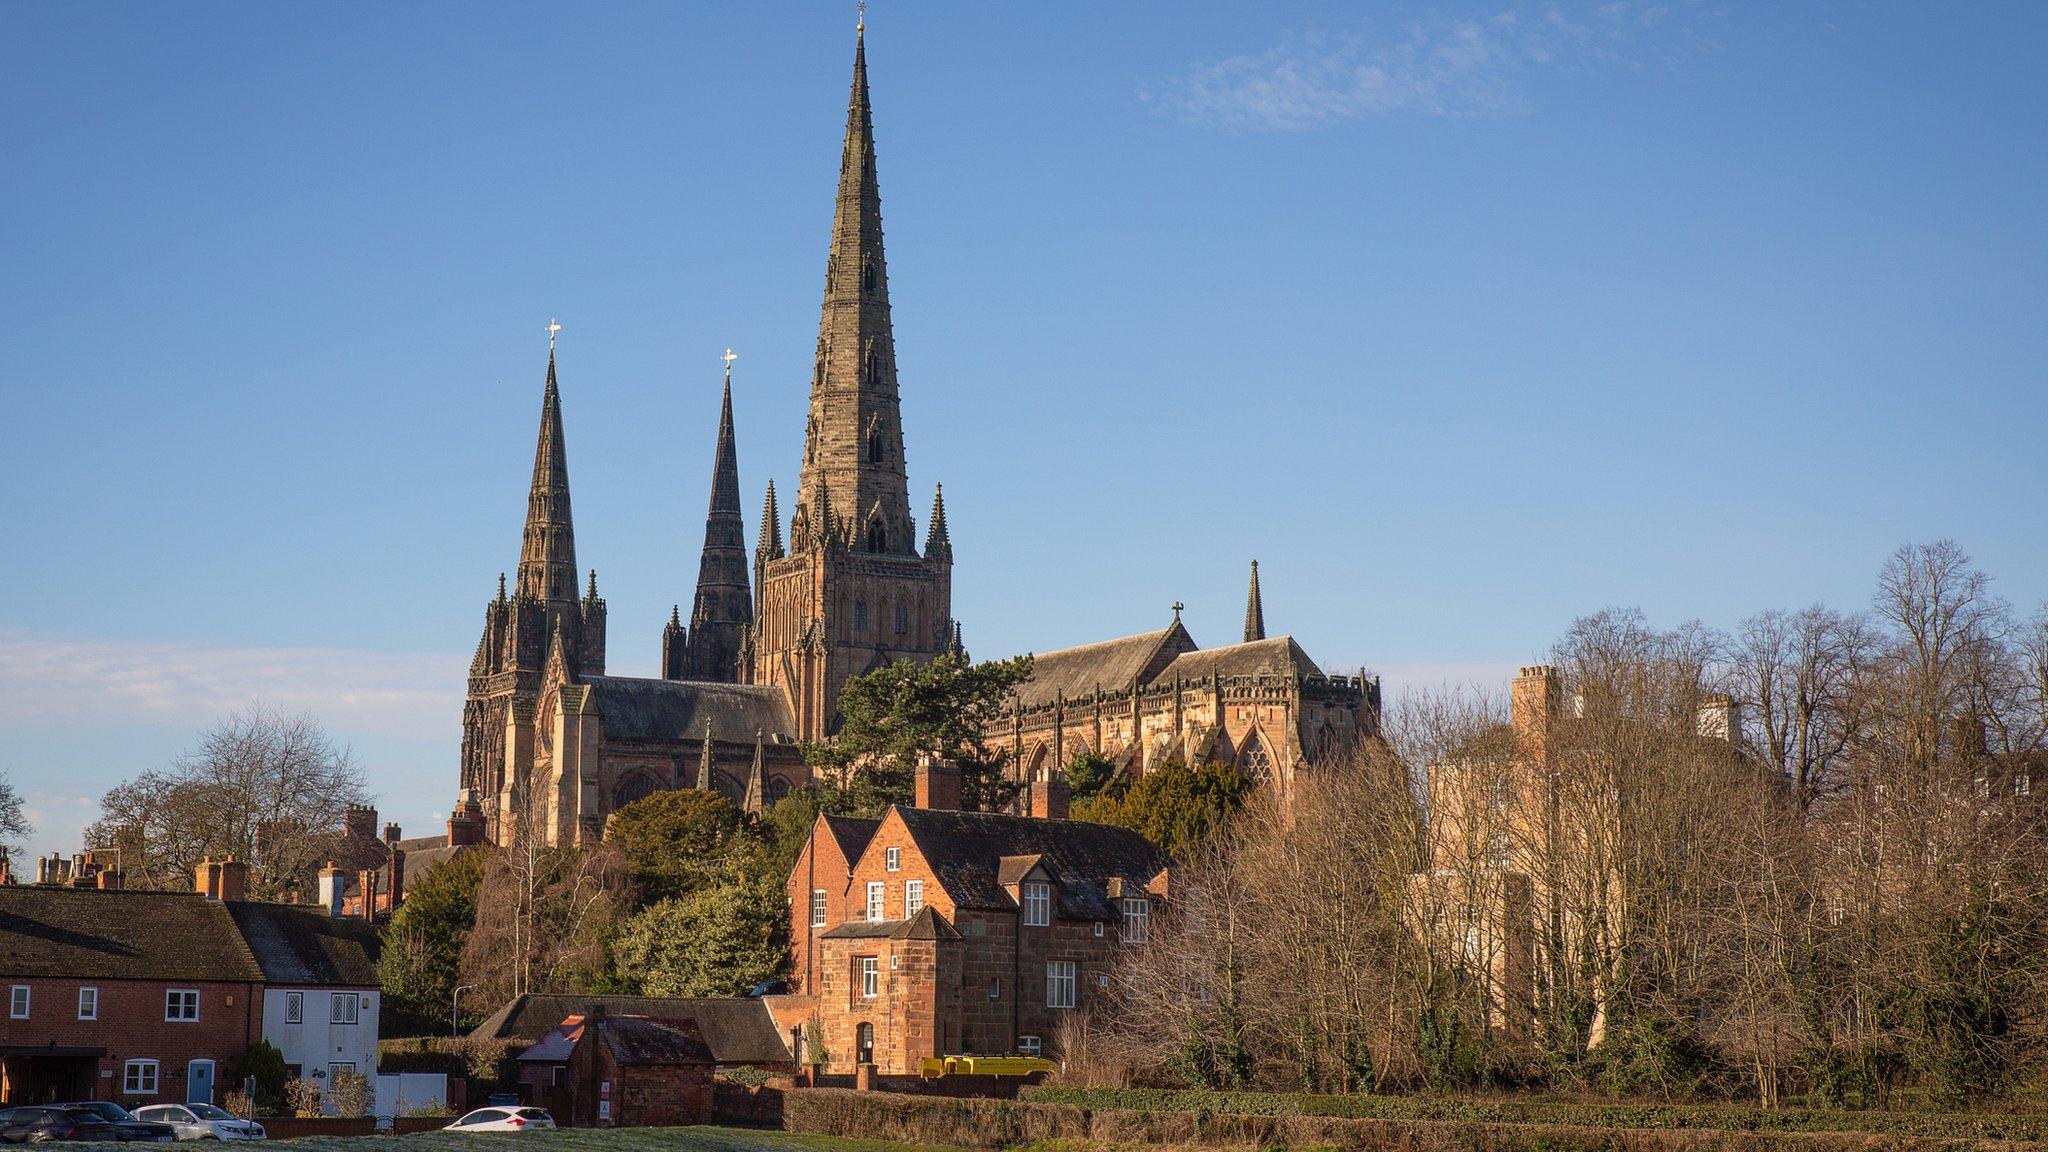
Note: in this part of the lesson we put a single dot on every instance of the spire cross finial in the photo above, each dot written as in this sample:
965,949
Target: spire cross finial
860,23
729,357
553,326
1177,606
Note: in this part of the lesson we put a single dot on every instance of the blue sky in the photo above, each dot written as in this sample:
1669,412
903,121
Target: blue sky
1463,319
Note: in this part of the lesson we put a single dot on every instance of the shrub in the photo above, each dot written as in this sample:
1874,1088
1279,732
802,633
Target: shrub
265,1063
303,1096
349,1091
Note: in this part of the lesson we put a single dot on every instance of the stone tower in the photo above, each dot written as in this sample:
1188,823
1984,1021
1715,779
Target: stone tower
725,603
853,593
519,626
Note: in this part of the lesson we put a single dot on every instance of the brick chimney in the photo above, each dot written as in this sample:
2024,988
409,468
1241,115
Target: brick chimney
1049,795
938,783
206,878
366,883
1535,698
234,879
359,822
390,834
466,823
333,885
108,877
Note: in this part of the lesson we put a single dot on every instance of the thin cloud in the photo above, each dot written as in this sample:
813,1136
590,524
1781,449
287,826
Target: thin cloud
51,679
1472,67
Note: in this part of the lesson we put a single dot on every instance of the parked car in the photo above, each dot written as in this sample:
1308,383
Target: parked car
125,1122
502,1120
34,1125
202,1122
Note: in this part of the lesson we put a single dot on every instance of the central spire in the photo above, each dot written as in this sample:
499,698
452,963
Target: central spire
853,444
547,553
724,605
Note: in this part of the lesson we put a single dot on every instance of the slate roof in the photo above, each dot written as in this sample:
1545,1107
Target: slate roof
965,851
1276,656
90,933
1108,664
302,944
644,709
926,925
638,1042
853,834
419,861
738,1030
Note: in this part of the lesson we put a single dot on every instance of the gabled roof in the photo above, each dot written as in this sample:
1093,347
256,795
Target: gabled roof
104,934
852,834
643,709
1278,656
926,925
302,944
966,851
1108,664
738,1030
638,1042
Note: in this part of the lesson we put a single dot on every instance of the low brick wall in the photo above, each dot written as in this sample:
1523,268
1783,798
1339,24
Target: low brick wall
1000,1123
290,1127
407,1125
748,1107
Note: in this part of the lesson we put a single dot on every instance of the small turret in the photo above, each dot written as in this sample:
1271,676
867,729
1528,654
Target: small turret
673,652
937,544
704,762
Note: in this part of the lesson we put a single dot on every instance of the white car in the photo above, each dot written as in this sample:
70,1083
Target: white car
202,1122
507,1119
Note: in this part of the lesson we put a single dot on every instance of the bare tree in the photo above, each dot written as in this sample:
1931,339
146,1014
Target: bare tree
14,825
262,785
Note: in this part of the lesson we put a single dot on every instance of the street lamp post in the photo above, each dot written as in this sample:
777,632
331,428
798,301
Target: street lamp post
455,1009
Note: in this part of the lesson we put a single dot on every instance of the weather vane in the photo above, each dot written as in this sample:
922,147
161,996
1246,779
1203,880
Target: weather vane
553,326
860,22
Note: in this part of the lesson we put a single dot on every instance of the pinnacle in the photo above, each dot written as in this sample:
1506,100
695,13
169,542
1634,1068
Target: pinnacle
1254,610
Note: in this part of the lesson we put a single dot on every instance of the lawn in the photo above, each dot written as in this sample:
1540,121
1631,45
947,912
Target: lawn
591,1140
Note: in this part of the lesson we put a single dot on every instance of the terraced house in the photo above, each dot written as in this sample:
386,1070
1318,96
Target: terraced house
151,997
934,932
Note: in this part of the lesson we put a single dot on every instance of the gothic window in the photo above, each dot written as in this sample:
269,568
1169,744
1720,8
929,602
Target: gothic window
1256,765
867,275
878,540
902,615
860,614
638,786
870,366
874,447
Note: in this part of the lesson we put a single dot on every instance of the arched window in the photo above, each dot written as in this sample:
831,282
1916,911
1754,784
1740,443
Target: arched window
867,275
778,789
902,616
874,447
638,786
878,539
860,614
1256,765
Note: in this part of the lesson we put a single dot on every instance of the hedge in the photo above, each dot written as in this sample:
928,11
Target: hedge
1580,1114
1001,1123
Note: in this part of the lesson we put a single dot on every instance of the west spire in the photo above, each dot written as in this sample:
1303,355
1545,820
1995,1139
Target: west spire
725,603
853,444
1254,610
547,554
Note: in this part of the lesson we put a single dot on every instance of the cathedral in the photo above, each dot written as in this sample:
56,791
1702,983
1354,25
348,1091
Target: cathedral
552,744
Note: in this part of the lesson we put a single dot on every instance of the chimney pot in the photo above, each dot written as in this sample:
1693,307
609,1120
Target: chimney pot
937,783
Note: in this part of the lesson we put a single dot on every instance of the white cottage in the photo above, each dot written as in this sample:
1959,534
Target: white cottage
320,995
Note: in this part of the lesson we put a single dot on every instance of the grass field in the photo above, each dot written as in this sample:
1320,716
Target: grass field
582,1140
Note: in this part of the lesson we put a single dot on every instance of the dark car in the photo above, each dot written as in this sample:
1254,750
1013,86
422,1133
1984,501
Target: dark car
125,1122
36,1124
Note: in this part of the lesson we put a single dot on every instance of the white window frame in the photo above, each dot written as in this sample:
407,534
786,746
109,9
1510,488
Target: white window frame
913,897
892,859
995,988
1137,919
295,1007
19,999
175,998
1098,927
878,897
133,1081
1036,898
1029,1045
818,900
344,1008
88,1003
870,977
1062,984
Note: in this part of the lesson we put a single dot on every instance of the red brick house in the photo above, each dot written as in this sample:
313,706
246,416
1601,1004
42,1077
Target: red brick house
960,933
135,997
627,1071
151,997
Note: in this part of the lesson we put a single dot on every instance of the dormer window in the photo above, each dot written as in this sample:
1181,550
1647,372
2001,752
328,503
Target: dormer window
1037,902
